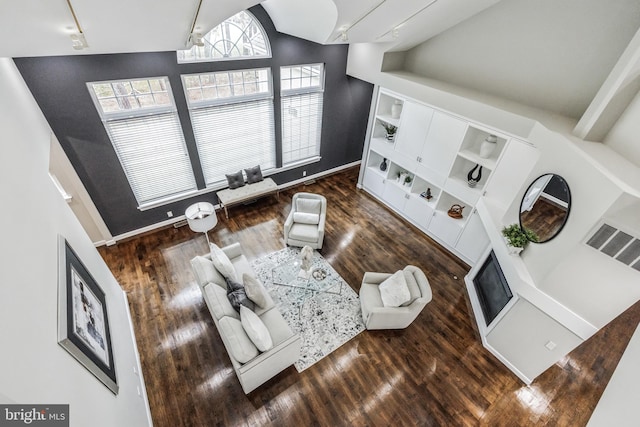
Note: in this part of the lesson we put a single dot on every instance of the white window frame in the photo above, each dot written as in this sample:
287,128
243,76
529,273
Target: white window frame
265,155
152,113
197,53
304,91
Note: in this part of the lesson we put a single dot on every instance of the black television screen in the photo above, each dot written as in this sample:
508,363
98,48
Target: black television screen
492,288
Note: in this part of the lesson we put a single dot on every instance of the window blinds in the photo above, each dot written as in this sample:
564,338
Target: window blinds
153,154
233,137
301,126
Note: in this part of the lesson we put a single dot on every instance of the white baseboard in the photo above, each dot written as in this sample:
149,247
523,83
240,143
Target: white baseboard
170,221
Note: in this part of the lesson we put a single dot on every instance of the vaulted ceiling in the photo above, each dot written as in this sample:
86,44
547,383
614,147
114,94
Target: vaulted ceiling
557,56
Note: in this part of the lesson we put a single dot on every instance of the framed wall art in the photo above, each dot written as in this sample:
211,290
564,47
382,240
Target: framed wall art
83,322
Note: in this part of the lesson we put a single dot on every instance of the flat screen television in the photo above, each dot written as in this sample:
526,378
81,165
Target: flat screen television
492,288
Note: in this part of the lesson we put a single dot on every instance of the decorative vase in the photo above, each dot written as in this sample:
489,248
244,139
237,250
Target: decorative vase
473,180
396,109
488,145
383,165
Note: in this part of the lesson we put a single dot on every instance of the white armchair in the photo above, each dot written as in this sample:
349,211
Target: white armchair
305,224
377,316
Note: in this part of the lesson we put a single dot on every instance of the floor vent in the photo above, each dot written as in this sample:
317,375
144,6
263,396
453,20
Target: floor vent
180,223
617,244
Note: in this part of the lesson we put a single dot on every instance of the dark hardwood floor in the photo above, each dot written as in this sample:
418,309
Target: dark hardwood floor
433,373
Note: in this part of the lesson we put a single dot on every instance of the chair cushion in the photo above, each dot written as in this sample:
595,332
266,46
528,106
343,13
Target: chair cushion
222,262
255,329
237,296
235,180
219,304
308,205
240,346
304,232
254,174
306,218
394,291
414,289
255,290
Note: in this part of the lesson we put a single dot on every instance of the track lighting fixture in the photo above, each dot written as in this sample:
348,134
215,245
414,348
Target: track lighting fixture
344,36
78,40
196,39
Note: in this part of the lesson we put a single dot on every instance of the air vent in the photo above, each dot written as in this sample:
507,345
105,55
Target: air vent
617,244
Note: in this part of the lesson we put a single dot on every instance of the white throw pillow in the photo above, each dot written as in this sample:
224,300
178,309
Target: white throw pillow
254,290
255,329
308,205
394,291
306,218
222,263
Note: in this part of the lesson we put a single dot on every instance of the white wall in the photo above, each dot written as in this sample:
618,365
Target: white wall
550,54
623,137
33,367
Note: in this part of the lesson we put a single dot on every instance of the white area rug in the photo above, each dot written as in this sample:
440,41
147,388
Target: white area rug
325,321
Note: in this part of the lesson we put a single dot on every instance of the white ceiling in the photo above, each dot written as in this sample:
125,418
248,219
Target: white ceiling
43,27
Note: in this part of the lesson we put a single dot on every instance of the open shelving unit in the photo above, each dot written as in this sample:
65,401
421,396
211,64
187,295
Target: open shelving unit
462,141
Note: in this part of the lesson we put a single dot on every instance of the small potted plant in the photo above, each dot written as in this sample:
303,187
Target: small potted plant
517,237
407,181
391,130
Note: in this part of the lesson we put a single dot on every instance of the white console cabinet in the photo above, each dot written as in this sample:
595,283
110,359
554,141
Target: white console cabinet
433,151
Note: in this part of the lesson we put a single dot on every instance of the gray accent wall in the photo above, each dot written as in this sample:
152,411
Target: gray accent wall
59,86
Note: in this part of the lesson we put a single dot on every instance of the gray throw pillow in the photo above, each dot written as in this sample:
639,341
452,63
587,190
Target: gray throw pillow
235,180
254,174
237,295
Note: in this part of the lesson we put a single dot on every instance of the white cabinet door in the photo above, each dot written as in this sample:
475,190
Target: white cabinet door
441,146
395,194
508,179
374,183
474,239
445,228
412,131
418,210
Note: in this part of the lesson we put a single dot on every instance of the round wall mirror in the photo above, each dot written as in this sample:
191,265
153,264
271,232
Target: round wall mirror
545,206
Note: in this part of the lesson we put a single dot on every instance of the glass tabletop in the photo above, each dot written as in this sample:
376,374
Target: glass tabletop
318,278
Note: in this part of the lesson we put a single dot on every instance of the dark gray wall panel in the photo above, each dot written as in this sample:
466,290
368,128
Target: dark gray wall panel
59,86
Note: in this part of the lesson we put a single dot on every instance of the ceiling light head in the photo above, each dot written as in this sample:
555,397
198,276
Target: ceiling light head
395,33
78,41
196,39
344,36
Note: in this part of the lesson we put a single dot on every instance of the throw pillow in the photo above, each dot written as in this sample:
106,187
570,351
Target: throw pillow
235,180
308,205
412,284
222,263
254,174
255,328
206,271
306,218
394,291
237,296
254,290
240,345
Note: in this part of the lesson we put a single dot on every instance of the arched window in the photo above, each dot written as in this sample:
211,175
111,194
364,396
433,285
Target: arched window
239,37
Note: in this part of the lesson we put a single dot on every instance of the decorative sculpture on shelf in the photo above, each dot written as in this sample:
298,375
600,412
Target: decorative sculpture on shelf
455,211
473,180
427,194
383,165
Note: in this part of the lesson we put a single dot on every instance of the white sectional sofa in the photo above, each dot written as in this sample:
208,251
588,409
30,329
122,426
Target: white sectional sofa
252,367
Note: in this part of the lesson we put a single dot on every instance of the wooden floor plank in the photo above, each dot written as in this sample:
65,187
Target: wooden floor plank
433,373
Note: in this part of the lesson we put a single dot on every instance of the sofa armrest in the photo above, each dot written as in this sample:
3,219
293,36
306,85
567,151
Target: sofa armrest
234,250
375,278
